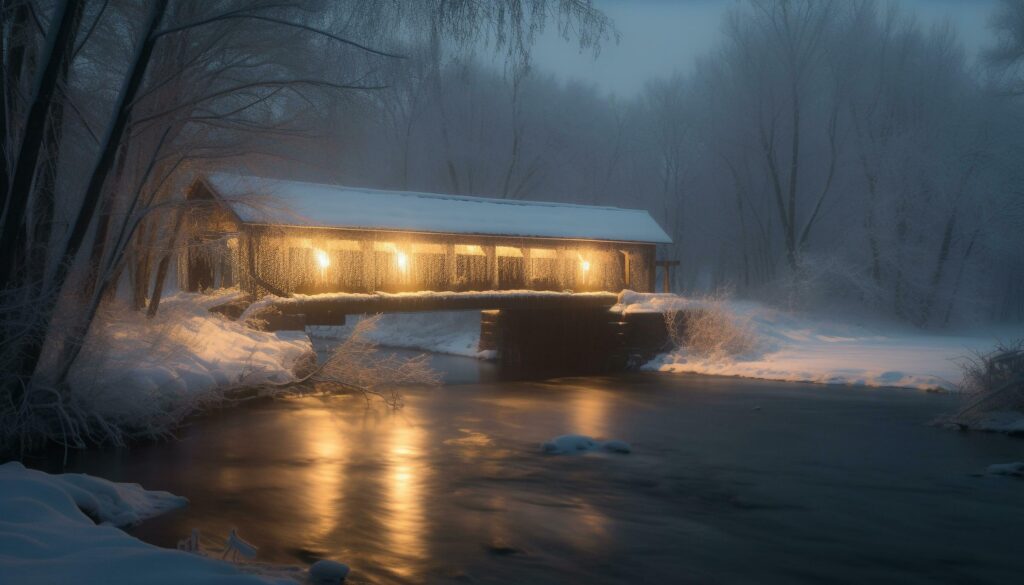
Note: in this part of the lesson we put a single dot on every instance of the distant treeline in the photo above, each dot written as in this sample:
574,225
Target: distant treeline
823,153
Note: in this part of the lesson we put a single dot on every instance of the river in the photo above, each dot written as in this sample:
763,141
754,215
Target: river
729,481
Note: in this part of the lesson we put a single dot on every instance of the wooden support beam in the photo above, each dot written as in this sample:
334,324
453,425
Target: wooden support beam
369,268
332,308
451,266
666,266
491,251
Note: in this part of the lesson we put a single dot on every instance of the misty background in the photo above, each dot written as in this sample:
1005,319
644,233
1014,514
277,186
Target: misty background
854,155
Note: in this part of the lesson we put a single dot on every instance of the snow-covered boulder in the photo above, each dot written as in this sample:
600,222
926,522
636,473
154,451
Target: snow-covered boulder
326,571
1015,469
567,444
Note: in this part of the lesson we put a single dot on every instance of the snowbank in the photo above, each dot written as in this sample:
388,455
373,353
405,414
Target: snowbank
47,535
448,332
137,370
800,348
1015,469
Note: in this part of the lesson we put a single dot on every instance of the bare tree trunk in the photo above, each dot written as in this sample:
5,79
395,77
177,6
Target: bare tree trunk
59,44
940,267
46,179
33,350
162,268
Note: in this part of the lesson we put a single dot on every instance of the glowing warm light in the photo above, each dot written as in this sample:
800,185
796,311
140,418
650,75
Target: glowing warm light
584,265
402,260
322,259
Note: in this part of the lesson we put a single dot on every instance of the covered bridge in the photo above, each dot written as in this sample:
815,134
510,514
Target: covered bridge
284,237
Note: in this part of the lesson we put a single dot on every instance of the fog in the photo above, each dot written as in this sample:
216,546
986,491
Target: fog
659,37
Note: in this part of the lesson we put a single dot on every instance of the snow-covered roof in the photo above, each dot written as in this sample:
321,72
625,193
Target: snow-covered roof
318,205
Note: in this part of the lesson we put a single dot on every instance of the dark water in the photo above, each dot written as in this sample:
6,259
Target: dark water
731,481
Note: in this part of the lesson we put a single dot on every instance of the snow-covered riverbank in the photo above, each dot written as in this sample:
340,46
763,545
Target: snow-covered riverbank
187,354
791,347
149,373
66,529
809,348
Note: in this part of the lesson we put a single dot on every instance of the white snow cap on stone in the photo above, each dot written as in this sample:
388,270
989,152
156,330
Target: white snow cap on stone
567,444
1015,469
325,571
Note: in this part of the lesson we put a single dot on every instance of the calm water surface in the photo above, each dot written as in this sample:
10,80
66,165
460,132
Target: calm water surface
731,481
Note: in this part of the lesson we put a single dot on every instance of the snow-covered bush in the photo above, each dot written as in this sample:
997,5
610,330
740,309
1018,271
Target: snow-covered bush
709,328
356,365
993,385
140,377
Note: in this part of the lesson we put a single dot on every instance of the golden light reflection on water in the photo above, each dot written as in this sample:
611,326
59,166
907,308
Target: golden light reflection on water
406,477
366,481
325,444
588,413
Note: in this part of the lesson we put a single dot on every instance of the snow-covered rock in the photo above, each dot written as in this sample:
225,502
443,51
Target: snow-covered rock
48,534
1015,469
616,446
326,571
567,444
999,421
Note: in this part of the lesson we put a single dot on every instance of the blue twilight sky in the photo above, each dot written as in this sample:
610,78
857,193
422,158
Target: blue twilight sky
659,36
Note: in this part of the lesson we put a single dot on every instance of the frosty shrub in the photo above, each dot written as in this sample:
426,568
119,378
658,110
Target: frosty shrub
993,382
709,328
358,366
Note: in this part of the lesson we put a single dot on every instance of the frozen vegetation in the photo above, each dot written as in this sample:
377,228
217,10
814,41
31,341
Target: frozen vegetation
66,529
143,376
774,344
993,383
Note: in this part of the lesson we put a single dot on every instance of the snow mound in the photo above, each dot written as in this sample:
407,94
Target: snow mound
805,348
447,332
1001,421
46,535
149,373
568,444
325,571
1014,469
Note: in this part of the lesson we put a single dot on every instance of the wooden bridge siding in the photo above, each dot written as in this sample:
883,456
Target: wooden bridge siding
639,274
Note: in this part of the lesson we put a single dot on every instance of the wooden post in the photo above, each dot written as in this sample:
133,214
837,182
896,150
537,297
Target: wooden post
667,265
527,274
491,252
369,270
627,277
450,266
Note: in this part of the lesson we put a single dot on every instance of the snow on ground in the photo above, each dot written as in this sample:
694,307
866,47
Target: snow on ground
134,367
47,534
793,347
802,348
449,332
999,421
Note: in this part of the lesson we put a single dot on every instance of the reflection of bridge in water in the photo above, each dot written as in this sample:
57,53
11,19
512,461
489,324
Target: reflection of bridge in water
533,332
